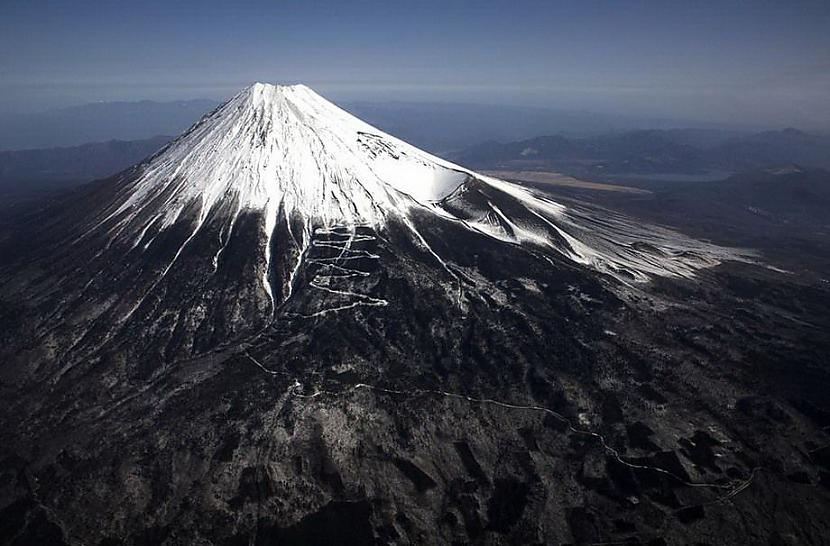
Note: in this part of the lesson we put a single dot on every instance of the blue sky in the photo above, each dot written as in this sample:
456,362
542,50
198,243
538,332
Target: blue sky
751,62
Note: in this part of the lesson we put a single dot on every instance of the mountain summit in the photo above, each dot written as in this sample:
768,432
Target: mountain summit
284,147
210,237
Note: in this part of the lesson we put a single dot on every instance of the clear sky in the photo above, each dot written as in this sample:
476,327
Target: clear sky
749,61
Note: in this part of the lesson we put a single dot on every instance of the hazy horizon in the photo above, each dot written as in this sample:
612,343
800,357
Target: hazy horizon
766,64
644,121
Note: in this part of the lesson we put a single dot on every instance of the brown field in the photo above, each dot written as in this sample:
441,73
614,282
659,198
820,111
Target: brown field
557,179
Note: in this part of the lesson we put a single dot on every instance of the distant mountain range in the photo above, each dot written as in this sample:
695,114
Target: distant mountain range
443,127
98,122
25,170
689,151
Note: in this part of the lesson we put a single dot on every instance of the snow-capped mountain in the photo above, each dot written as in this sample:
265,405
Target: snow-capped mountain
289,327
204,241
285,152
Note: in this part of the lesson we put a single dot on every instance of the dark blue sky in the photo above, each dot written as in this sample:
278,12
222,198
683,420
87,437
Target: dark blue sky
749,62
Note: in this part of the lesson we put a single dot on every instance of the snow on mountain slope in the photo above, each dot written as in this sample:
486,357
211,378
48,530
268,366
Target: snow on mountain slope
279,202
285,145
284,148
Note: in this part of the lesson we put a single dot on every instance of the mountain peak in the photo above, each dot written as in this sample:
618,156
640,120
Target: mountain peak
265,86
264,92
285,146
278,182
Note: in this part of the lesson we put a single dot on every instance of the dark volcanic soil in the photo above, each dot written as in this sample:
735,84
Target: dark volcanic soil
503,400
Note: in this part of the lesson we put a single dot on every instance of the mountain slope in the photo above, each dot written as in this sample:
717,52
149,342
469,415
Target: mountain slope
290,327
209,233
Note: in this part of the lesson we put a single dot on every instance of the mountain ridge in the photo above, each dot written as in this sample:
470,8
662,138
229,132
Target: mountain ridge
653,151
26,170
